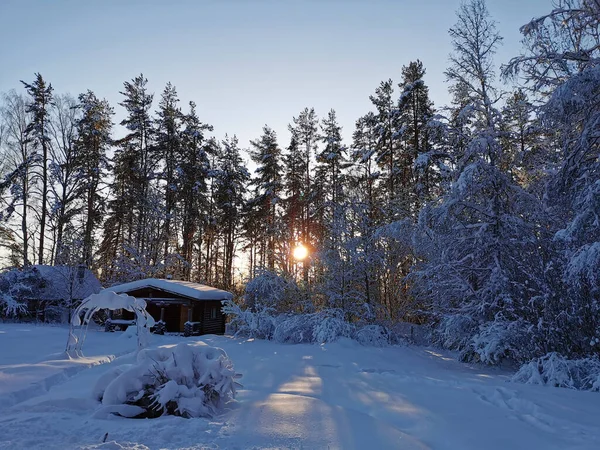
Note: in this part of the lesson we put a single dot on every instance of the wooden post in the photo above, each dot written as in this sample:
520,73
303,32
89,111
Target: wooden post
162,314
190,311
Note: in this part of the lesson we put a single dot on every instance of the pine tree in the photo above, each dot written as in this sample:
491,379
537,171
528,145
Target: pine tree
415,112
366,203
293,186
192,174
38,134
138,156
92,145
168,144
387,119
231,178
268,190
305,134
126,230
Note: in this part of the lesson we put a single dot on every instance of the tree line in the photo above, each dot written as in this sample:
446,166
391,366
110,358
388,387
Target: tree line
480,217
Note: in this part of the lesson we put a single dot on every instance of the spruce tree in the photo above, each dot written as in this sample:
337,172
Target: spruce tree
268,186
387,119
415,112
231,180
192,174
92,146
168,144
305,134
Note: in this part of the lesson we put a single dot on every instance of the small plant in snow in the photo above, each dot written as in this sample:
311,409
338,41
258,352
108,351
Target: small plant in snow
558,371
186,380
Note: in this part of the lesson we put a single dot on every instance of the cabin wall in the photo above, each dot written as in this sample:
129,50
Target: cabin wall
214,319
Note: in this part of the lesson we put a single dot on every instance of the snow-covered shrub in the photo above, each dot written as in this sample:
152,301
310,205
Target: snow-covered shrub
454,331
185,380
502,340
374,336
317,328
106,378
272,290
330,329
15,286
257,324
558,371
296,329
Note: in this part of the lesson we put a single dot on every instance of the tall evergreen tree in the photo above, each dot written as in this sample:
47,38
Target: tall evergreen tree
38,133
387,118
127,230
415,112
268,189
192,175
293,182
92,145
231,179
168,143
305,134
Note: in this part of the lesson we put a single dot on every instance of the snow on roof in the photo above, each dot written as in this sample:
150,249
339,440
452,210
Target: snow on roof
63,282
188,289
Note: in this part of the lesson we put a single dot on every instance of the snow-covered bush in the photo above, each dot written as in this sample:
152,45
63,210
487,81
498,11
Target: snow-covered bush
296,329
315,328
558,371
318,328
374,336
185,380
257,324
454,331
503,340
15,287
330,329
272,290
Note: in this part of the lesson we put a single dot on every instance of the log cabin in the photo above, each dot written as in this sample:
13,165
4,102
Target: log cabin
177,306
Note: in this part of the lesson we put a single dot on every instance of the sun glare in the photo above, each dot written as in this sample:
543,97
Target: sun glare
300,252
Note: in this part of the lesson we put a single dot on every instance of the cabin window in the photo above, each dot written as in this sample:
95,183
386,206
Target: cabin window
213,313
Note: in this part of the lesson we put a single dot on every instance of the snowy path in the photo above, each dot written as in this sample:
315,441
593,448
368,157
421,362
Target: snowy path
333,396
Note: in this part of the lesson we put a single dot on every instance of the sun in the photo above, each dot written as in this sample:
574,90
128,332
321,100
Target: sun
300,252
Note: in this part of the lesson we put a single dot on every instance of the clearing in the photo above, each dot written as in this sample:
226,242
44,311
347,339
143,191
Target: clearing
340,395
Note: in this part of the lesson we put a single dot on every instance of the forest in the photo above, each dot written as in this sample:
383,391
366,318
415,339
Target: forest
479,219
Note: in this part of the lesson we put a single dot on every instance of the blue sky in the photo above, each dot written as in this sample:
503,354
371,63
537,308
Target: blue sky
245,63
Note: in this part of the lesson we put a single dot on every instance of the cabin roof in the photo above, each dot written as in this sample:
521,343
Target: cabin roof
195,291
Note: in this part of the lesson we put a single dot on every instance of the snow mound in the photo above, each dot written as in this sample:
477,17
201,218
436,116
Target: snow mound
296,329
186,380
330,329
558,371
374,336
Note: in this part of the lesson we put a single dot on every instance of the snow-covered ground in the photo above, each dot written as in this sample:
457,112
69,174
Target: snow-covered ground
331,396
